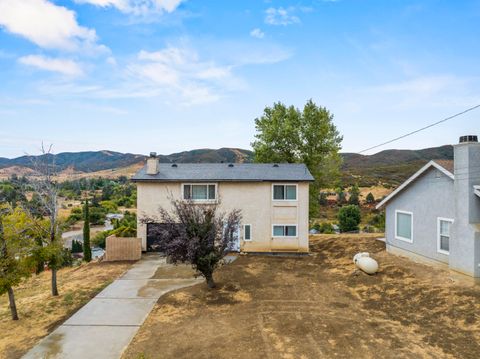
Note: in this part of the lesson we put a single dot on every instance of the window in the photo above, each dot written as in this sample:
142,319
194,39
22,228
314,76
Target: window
444,234
247,232
284,230
404,226
285,192
200,192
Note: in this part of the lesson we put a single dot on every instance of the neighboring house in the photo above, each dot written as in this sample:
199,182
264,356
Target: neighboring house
436,212
273,199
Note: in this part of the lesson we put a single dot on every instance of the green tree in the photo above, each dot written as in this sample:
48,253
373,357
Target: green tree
15,253
87,251
354,195
288,134
349,218
340,196
370,199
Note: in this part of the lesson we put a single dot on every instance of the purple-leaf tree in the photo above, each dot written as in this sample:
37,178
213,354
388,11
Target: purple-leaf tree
198,234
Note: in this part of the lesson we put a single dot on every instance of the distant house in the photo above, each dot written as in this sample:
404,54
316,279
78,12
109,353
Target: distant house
273,199
436,212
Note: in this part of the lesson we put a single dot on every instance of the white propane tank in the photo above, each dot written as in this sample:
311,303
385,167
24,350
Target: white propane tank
364,262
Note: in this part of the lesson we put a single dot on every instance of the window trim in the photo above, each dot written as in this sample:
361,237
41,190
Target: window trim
250,239
284,185
408,240
182,188
439,220
285,225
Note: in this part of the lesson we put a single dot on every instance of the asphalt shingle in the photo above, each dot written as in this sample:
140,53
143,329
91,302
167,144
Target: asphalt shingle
236,172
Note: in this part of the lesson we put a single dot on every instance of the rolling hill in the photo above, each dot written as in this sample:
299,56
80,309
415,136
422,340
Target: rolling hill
389,167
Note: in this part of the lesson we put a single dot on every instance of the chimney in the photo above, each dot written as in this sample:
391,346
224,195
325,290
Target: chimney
465,244
152,164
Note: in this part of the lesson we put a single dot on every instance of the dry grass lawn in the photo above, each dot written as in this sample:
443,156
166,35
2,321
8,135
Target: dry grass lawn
318,307
40,313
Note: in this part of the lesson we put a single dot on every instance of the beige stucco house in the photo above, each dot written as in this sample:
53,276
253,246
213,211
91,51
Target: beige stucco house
273,199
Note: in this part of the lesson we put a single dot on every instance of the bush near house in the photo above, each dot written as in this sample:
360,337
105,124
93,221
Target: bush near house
349,218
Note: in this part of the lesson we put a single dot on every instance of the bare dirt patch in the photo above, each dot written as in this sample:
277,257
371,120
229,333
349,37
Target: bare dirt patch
40,313
318,307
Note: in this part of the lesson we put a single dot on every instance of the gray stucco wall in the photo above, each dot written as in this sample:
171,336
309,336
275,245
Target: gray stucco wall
465,250
428,197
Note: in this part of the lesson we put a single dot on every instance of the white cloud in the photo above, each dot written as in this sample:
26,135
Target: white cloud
63,66
136,7
47,25
259,34
180,71
281,16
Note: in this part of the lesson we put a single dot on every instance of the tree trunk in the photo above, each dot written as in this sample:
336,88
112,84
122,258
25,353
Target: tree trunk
210,282
13,306
54,283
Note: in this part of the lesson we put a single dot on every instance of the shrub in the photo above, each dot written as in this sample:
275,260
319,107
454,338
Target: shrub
100,238
109,206
378,220
325,228
98,215
349,218
370,199
354,195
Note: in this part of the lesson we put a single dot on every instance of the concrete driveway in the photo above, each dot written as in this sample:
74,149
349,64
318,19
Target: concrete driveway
104,327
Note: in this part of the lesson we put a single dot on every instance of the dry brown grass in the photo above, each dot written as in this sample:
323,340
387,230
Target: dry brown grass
40,313
318,307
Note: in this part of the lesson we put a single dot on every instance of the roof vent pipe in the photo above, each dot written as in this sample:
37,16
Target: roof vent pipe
469,139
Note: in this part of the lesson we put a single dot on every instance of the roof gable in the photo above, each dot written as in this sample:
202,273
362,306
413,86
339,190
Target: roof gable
421,171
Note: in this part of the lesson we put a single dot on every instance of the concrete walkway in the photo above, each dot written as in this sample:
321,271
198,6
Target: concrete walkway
104,327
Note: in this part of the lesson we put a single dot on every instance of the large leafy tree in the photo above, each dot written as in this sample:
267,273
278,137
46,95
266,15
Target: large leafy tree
16,244
288,134
197,234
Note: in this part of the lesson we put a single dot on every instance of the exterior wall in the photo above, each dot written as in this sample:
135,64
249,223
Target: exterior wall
465,252
431,196
254,199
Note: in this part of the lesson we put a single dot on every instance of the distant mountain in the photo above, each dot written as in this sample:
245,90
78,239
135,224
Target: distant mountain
389,167
89,162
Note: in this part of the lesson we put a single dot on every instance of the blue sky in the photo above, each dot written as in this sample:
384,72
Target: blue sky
171,75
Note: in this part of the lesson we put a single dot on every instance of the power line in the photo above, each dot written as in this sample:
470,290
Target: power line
421,129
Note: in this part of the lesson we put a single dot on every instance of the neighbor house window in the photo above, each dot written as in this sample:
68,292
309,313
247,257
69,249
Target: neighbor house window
200,192
444,234
285,192
247,232
404,226
284,230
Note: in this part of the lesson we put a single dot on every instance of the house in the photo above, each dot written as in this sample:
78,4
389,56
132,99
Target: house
273,199
435,214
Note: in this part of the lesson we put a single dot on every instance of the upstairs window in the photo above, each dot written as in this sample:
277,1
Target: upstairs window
200,192
284,192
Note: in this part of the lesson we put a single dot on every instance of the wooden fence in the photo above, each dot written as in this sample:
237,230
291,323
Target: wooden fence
123,249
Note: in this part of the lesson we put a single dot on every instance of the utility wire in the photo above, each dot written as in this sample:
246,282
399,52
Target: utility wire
421,129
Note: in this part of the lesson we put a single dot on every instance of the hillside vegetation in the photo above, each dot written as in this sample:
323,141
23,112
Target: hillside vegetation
388,168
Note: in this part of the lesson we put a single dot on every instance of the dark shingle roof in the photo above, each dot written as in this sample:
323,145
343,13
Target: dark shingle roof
241,172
